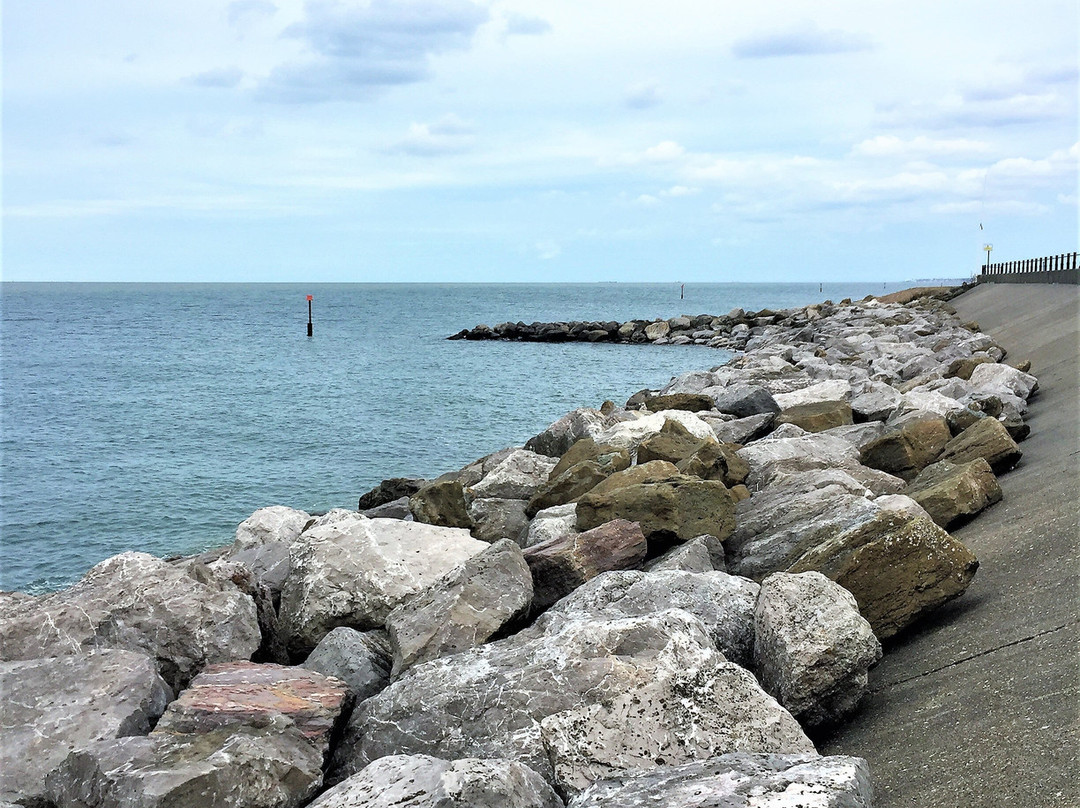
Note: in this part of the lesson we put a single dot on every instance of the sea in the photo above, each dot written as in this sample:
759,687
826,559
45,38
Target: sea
156,417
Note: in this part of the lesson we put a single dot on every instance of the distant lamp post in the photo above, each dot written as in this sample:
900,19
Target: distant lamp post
989,249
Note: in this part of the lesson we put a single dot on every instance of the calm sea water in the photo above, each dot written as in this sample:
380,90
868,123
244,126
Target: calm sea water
155,417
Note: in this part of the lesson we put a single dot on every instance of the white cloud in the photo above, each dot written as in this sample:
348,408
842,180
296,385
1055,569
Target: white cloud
680,190
222,77
547,250
448,135
805,39
920,146
647,201
525,25
357,49
643,95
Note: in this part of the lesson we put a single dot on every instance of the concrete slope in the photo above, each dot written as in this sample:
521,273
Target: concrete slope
979,705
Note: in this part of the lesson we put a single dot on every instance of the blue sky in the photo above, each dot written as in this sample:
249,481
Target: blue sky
462,140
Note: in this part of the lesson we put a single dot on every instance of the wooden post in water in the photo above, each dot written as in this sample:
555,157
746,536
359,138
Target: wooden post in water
309,325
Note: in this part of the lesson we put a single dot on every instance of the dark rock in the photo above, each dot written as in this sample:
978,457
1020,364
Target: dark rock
442,504
716,461
744,401
563,564
575,481
360,659
691,402
388,491
986,438
673,443
952,493
908,449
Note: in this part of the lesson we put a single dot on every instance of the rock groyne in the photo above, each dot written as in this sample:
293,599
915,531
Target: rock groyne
668,597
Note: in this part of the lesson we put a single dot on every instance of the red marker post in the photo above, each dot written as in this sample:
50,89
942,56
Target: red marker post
309,326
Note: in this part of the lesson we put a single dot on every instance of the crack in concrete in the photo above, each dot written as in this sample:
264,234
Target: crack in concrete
970,657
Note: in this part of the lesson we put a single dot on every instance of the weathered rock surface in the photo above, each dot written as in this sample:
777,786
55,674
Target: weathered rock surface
491,701
952,493
691,402
234,694
572,483
557,439
441,503
235,767
716,461
909,449
673,443
773,458
552,523
422,781
389,490
463,608
360,659
744,430
497,518
817,416
744,401
701,554
812,648
724,604
898,568
740,780
677,509
183,618
353,573
517,476
49,707
986,438
561,565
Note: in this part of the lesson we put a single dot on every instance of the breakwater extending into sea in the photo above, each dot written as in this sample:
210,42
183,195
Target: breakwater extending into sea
157,416
645,600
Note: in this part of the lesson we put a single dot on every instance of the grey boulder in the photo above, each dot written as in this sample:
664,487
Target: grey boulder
182,617
740,780
422,781
463,608
812,648
354,572
361,659
52,706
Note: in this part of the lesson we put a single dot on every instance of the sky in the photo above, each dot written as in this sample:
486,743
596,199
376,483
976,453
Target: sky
510,140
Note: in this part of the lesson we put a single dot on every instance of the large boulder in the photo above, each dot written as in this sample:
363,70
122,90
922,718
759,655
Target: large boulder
674,510
701,554
724,604
812,648
827,391
422,781
817,416
463,608
673,443
360,659
609,457
954,492
775,457
389,490
740,780
596,697
691,402
557,439
441,503
496,518
744,401
561,565
744,430
716,461
908,449
517,476
235,694
552,523
630,433
353,573
986,438
232,767
183,617
994,376
897,567
575,481
49,707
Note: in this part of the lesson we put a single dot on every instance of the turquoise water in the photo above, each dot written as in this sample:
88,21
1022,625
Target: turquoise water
156,417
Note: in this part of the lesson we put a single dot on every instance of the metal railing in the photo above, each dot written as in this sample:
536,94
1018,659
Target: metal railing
1050,263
